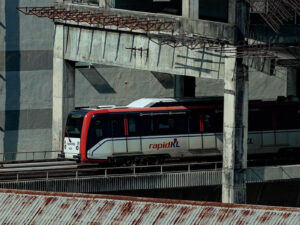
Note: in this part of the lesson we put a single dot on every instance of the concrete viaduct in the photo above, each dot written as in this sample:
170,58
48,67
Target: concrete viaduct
82,42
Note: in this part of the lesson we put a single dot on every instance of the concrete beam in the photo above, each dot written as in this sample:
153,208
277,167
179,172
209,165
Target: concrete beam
179,86
107,3
223,31
190,9
235,131
123,49
63,89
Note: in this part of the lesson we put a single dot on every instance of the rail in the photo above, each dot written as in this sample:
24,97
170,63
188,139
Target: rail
26,156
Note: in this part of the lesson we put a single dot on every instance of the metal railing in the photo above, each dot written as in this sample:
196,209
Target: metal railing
107,172
26,156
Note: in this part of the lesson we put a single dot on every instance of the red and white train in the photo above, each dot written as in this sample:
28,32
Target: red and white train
150,128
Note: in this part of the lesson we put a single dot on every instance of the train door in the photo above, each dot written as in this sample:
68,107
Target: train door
118,134
132,131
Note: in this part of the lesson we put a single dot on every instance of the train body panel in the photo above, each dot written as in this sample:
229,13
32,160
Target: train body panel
176,131
71,147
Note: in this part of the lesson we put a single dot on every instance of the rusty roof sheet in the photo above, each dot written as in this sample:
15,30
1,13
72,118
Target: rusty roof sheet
27,207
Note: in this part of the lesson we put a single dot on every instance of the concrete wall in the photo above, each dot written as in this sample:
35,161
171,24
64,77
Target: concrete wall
25,78
104,85
261,85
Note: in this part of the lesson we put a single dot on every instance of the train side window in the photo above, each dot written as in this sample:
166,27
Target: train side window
117,126
170,124
287,119
98,130
255,120
267,120
147,125
133,126
181,124
213,121
163,125
196,123
206,121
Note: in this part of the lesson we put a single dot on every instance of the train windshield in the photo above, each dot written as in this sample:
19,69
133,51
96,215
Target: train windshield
74,125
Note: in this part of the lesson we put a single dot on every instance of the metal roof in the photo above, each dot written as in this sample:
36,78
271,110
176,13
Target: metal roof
27,207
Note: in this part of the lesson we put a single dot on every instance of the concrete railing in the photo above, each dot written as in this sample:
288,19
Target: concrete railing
26,156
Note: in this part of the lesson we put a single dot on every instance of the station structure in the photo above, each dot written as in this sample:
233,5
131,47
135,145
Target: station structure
176,44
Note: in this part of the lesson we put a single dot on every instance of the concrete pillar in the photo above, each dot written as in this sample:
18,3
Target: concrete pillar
235,132
190,9
292,81
179,86
107,3
63,88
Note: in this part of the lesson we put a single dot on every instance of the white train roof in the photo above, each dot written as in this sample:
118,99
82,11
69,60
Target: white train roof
148,102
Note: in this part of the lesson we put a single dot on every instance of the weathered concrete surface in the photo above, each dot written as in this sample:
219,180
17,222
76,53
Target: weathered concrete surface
113,48
63,89
190,9
235,131
25,78
235,125
222,31
103,85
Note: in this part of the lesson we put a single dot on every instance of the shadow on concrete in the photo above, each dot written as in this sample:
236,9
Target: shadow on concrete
203,61
96,80
199,69
165,79
12,68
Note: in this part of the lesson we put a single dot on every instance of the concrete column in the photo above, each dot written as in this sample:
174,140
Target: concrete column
235,131
179,86
63,88
107,3
291,81
190,9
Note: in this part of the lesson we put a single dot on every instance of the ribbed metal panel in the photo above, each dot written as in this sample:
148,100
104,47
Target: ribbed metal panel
120,183
24,207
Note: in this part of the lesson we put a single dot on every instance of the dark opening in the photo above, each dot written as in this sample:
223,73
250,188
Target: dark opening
216,10
189,86
169,7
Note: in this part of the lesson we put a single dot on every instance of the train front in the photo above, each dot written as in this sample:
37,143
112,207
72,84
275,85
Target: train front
73,130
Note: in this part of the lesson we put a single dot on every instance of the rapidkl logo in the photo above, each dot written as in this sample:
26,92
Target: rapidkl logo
170,144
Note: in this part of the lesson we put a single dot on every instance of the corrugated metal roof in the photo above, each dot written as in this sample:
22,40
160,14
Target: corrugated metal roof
26,207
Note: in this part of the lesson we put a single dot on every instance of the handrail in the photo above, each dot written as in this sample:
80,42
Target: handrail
109,171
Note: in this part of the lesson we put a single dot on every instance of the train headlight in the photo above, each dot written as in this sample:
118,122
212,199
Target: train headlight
77,147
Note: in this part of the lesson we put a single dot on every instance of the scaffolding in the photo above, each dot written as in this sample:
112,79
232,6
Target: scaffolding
105,20
275,12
